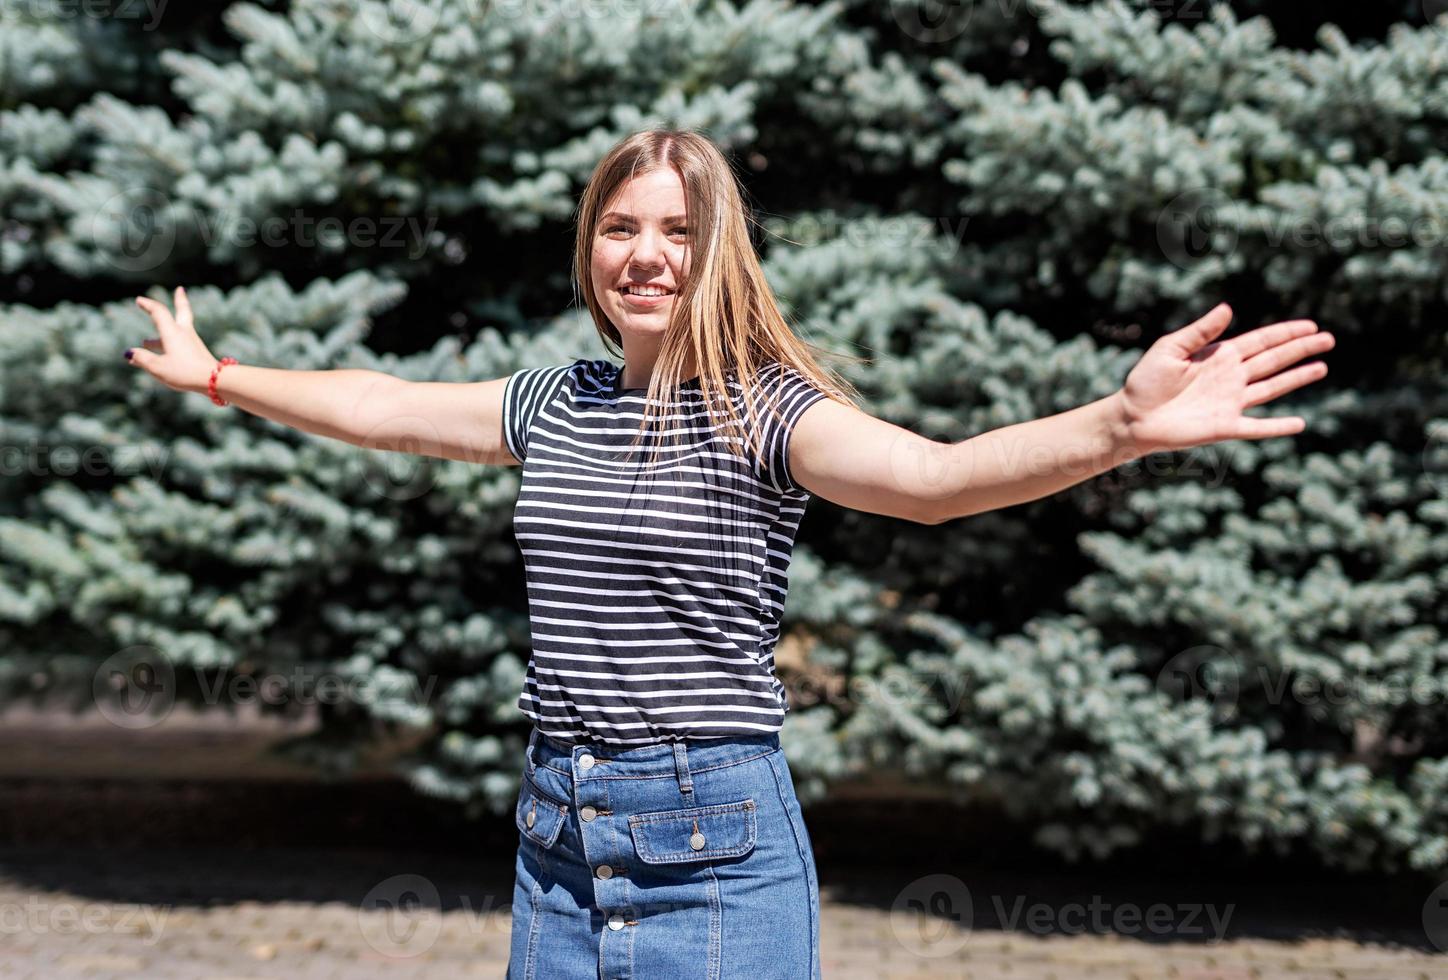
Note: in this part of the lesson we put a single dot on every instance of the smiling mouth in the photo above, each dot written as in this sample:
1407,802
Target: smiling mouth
643,301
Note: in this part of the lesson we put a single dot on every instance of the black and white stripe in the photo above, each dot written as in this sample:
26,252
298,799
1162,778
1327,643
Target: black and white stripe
654,596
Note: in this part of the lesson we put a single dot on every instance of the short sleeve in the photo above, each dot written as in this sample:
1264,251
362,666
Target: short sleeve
788,393
524,396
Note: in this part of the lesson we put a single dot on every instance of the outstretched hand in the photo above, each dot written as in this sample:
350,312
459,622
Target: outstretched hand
1188,390
177,358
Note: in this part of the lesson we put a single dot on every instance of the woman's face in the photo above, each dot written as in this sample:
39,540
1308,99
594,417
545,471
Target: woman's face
641,241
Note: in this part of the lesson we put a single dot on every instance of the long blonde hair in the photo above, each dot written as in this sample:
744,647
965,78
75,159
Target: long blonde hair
724,313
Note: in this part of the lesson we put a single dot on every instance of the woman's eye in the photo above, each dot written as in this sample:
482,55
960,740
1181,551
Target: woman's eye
613,228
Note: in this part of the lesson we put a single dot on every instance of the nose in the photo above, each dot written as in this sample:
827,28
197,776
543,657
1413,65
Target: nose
648,250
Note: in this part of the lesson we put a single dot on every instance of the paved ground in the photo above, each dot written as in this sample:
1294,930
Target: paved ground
234,913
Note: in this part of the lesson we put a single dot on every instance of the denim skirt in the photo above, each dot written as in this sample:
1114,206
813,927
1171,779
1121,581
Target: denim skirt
668,861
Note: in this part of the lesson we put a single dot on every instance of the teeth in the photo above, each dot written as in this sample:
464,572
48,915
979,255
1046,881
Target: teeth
651,291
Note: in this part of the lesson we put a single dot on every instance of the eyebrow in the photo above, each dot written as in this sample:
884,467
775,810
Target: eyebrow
620,216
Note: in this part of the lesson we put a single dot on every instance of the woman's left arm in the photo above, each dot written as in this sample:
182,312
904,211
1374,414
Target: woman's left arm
1186,390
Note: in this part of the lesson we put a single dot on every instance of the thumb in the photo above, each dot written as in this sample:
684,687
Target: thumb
1193,337
141,357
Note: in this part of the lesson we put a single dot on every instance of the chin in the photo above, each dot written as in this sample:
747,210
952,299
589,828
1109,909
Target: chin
644,323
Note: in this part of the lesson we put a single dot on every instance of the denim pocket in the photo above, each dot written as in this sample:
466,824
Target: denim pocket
695,833
538,818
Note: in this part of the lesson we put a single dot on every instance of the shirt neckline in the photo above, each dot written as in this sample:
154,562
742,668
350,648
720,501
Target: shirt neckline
614,382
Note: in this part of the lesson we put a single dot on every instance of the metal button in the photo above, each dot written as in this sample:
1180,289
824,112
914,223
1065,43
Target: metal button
615,922
604,871
696,841
585,761
587,813
529,821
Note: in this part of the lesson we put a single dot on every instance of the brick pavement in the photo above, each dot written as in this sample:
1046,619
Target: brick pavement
218,913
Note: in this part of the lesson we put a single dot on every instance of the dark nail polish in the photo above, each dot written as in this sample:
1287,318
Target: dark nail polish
129,351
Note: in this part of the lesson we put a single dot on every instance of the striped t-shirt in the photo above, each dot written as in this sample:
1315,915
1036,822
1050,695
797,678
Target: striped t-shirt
654,596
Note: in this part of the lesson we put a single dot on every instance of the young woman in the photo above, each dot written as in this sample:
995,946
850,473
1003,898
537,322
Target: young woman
659,832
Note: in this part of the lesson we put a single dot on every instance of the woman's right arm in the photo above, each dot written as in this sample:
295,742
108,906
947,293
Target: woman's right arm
449,420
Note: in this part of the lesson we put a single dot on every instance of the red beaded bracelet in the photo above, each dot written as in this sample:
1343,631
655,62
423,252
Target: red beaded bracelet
211,386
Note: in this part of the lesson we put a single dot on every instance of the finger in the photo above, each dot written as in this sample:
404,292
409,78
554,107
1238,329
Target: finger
1276,358
183,307
160,315
1254,342
1194,336
142,358
1280,384
1250,428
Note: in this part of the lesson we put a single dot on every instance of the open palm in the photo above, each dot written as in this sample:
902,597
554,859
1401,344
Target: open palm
1188,390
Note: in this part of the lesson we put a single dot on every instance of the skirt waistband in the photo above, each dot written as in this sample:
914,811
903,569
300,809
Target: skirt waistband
658,758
